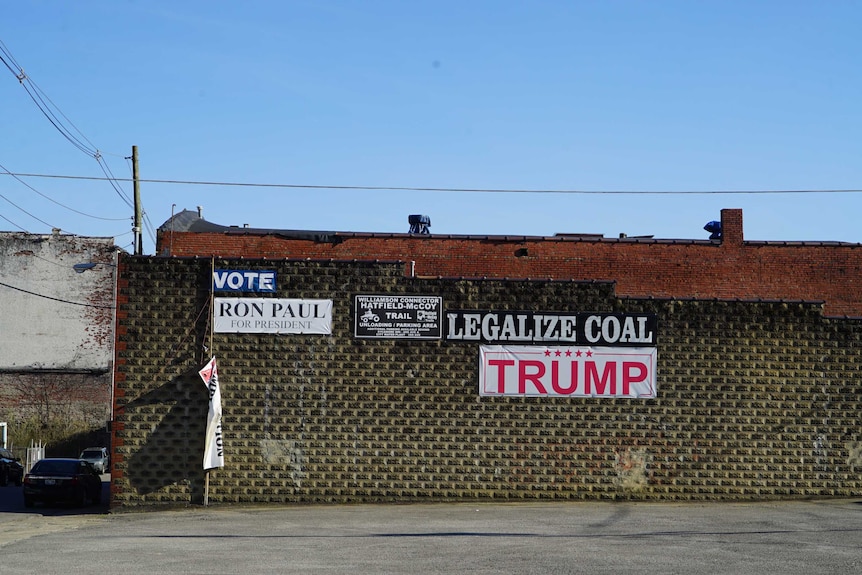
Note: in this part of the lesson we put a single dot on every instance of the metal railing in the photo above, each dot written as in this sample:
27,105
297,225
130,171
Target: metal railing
34,453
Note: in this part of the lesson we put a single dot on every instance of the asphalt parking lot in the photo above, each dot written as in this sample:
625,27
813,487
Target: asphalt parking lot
804,537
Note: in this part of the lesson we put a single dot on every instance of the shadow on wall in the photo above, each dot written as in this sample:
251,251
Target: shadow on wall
172,453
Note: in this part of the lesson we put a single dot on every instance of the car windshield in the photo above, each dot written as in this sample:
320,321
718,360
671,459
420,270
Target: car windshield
55,467
91,454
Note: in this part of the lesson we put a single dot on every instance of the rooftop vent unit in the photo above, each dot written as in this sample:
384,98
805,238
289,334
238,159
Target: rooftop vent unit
419,224
714,229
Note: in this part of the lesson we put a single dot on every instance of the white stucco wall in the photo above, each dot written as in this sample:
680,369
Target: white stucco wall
50,316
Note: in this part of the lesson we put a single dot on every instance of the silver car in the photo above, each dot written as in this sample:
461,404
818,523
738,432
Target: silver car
97,457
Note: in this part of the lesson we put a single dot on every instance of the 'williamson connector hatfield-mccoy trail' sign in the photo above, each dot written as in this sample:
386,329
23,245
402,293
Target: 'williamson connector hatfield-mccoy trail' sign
398,316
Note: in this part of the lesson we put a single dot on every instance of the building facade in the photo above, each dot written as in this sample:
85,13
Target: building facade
56,338
745,399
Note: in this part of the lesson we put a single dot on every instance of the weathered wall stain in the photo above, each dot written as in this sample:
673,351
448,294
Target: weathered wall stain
854,455
633,469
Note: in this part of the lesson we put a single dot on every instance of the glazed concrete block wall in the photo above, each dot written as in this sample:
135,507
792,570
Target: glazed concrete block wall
755,400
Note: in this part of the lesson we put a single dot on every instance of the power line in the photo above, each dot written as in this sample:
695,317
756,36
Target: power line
55,201
113,180
26,212
456,190
56,299
13,223
58,119
46,106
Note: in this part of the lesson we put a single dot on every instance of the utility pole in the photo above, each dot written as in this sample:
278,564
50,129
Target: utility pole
139,237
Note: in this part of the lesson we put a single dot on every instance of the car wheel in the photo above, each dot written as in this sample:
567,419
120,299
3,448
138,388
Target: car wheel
97,496
28,502
82,499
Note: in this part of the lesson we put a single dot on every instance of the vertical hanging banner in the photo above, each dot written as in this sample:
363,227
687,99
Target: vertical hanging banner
213,442
535,371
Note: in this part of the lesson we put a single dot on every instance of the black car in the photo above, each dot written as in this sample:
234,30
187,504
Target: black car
56,480
11,470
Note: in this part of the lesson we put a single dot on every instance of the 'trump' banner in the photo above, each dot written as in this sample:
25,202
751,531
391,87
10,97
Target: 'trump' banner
534,371
213,443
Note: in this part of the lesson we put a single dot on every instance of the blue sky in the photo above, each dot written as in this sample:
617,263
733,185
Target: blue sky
645,96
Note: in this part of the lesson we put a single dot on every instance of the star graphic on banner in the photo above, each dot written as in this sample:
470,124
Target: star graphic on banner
568,353
579,353
558,353
589,353
547,353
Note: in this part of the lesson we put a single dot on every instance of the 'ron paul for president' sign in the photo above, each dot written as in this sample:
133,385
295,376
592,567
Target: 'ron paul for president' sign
272,315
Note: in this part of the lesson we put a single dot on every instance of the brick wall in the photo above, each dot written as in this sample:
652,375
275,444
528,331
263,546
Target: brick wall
826,272
755,400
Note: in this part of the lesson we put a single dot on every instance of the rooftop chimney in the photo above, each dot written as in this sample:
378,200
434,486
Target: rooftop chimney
731,227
